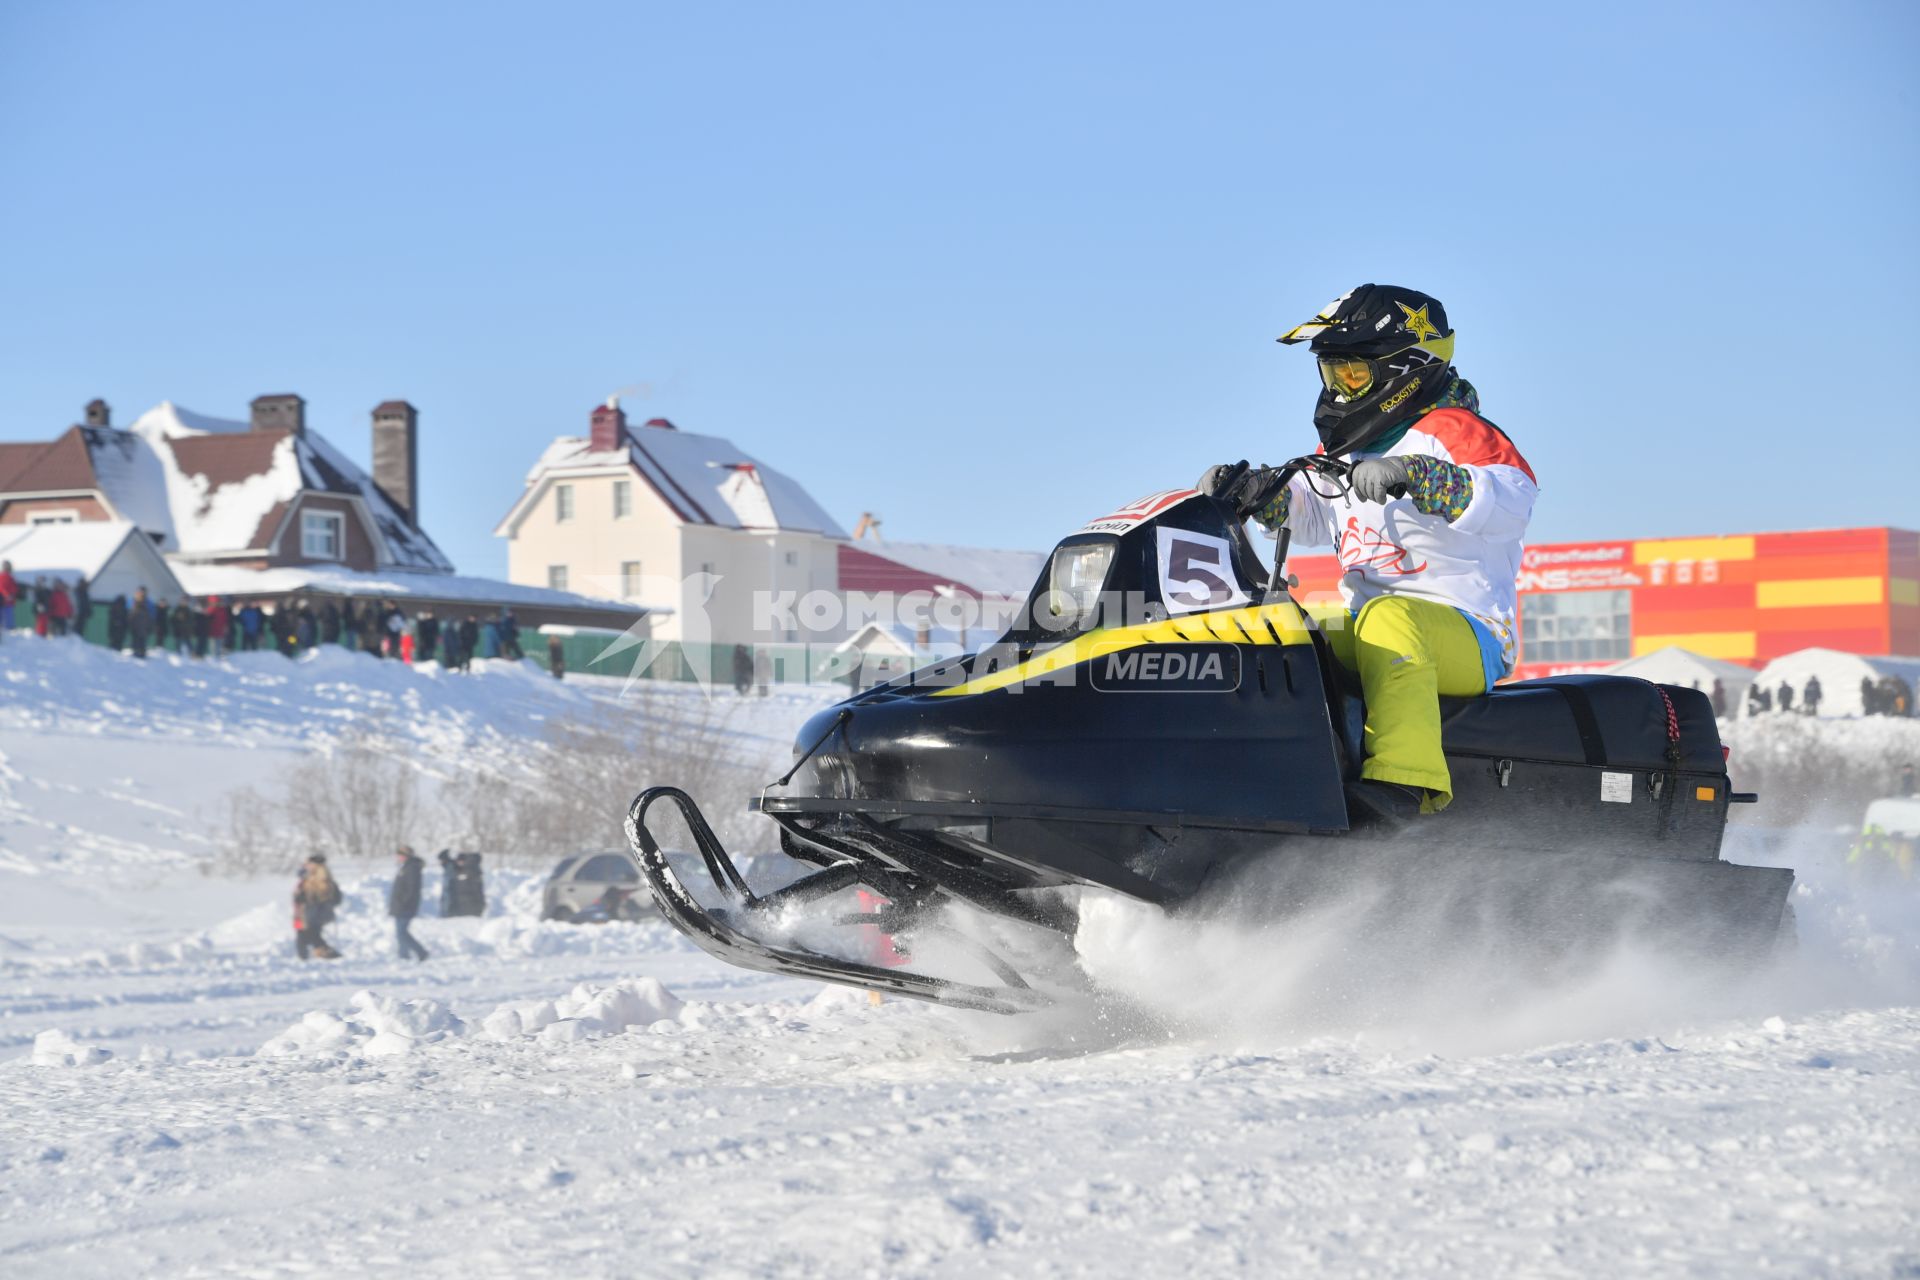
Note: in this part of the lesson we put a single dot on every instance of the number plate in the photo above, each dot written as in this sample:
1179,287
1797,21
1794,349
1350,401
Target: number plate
1196,572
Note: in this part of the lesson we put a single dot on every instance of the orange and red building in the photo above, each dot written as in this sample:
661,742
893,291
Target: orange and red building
1747,598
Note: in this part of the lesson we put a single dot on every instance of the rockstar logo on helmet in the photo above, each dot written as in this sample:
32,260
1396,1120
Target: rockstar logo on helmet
1417,323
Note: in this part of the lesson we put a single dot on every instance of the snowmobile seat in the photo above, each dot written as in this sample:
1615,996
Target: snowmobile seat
1593,720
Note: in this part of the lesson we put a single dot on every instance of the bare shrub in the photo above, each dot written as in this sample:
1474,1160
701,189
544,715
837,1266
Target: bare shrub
358,799
569,792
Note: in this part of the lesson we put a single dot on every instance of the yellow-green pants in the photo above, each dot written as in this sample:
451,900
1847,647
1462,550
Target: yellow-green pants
1409,653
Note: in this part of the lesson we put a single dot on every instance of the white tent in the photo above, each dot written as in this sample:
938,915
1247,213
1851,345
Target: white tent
112,555
1840,676
1674,665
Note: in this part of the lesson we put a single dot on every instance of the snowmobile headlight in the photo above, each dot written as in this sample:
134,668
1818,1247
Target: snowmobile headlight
1075,579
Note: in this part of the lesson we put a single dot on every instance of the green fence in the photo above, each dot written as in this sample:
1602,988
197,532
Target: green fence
593,653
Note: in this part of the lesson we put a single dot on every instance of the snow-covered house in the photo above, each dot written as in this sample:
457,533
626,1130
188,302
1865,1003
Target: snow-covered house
263,508
674,521
738,550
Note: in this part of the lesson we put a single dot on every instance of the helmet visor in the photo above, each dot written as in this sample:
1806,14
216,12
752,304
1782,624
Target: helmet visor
1348,376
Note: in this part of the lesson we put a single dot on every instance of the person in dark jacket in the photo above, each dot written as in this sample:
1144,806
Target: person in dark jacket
426,636
1784,698
329,623
162,620
1810,697
469,639
117,623
252,623
181,627
82,606
403,902
140,622
510,635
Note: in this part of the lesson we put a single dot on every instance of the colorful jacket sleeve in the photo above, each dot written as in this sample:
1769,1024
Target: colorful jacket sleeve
1499,486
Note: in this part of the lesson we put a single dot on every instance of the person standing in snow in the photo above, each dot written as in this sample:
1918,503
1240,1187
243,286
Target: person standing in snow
1810,699
82,606
316,896
1784,699
60,608
251,624
1428,531
1719,699
182,627
469,640
1869,697
510,635
117,624
426,637
403,902
329,623
140,621
219,625
9,593
556,658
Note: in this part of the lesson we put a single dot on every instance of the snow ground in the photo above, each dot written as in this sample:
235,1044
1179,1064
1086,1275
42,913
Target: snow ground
568,1100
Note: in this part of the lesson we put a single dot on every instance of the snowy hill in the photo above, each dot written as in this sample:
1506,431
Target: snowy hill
179,1095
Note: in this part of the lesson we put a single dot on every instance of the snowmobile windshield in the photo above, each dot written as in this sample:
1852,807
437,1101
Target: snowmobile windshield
1074,581
1348,376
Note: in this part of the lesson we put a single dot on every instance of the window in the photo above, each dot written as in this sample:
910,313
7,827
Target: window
557,577
321,534
1576,626
66,515
609,868
563,502
793,557
630,579
622,499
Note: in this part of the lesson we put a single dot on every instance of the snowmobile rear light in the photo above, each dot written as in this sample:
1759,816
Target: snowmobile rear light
1074,581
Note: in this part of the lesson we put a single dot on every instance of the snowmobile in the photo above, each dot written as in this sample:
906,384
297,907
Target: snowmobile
1164,711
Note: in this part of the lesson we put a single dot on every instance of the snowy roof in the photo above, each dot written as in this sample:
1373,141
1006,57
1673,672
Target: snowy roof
66,551
212,485
42,466
225,580
897,637
702,479
986,571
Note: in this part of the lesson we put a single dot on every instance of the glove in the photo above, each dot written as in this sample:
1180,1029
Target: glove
1380,479
1246,489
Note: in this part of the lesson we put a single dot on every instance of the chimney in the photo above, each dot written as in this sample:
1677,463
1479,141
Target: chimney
280,413
396,456
98,414
609,426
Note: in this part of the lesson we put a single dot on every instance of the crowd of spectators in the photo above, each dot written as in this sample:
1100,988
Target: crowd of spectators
203,627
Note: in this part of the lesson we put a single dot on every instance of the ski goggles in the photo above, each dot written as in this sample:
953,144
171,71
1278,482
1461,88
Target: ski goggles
1347,376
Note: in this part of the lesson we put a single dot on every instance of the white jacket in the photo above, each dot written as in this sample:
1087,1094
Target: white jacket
1393,549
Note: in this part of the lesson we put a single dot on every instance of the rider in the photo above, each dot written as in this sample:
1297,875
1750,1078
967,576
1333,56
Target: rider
1428,535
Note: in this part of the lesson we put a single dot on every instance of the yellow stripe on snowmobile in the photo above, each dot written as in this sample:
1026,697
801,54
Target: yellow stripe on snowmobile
1255,624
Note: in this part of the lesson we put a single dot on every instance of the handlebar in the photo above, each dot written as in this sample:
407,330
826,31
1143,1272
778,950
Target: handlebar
1317,465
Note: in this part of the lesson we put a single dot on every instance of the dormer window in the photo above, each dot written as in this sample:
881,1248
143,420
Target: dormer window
322,535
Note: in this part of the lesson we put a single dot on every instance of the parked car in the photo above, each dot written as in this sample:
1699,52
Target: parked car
579,882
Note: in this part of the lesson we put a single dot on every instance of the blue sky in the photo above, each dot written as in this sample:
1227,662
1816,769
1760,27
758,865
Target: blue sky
986,270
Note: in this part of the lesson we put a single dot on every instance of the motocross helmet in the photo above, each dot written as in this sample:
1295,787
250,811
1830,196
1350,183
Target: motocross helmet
1385,354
